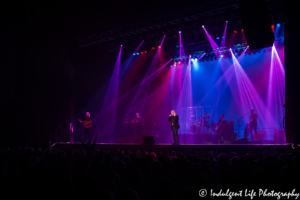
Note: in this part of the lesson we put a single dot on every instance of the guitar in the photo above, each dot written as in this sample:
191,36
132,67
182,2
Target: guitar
86,124
218,126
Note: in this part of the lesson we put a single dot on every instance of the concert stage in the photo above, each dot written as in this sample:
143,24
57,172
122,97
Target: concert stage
202,149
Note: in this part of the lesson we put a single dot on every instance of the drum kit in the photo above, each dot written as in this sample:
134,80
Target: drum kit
202,124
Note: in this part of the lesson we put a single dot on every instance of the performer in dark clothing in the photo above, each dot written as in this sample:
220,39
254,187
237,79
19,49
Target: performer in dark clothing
87,123
220,129
174,119
253,123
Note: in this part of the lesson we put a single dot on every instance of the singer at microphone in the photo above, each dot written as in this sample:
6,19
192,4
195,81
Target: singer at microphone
174,119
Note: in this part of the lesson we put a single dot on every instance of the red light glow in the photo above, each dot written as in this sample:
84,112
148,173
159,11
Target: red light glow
153,48
235,31
242,30
145,51
142,53
159,47
273,28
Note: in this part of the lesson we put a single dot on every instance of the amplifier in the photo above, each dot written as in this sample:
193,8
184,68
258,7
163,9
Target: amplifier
279,135
261,135
228,131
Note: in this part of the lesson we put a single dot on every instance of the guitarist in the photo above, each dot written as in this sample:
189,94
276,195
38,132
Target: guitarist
253,123
220,129
87,123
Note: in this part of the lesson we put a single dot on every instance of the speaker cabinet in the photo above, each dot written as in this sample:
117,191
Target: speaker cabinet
228,132
279,136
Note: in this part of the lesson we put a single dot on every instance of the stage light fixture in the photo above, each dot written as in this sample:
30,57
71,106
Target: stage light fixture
171,66
218,38
203,26
272,26
242,30
145,51
137,53
142,53
134,54
278,25
153,48
221,56
159,47
179,31
235,31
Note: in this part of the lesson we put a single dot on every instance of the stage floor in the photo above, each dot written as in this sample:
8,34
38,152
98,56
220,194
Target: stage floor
189,149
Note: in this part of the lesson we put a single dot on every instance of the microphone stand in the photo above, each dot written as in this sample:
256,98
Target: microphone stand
239,122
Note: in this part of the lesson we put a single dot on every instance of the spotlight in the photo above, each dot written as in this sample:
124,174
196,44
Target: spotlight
145,51
137,53
242,30
178,63
190,56
226,21
272,26
134,54
202,26
159,47
177,46
153,48
218,38
278,25
179,31
221,56
142,53
171,66
230,49
192,59
235,31
182,64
